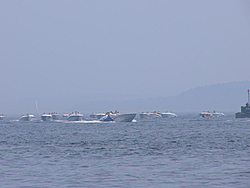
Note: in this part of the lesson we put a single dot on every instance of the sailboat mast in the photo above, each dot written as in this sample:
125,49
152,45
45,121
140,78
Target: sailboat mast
37,107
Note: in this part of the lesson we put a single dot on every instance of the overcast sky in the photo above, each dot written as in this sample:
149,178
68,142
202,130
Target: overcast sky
140,47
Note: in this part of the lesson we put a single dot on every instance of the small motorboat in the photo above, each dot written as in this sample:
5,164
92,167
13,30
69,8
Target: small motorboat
55,116
217,114
97,116
168,114
28,117
2,117
155,114
46,117
128,117
205,114
75,116
65,115
117,117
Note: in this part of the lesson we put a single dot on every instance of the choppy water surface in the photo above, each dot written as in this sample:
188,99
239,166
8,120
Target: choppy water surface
186,151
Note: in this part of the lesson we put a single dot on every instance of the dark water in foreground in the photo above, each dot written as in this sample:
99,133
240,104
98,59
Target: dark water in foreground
186,151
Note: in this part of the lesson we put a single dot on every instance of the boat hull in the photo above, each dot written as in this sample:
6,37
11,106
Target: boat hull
97,116
168,115
123,117
46,117
27,118
77,117
205,114
218,114
55,116
119,117
150,115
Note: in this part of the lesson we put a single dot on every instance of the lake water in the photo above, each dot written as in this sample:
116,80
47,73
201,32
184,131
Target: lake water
187,151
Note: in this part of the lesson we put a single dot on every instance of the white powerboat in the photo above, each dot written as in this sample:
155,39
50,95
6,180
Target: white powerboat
55,116
28,117
76,116
117,117
154,114
168,114
123,117
97,115
2,117
217,114
205,114
65,115
46,117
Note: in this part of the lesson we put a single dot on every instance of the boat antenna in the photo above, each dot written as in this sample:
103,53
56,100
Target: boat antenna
248,95
37,107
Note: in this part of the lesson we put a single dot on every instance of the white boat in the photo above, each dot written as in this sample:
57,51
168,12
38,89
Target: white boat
117,117
205,114
168,114
76,116
154,114
123,117
97,115
217,114
46,117
55,116
65,115
2,117
28,117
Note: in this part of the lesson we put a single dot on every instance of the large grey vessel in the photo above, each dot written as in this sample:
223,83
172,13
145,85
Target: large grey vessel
245,110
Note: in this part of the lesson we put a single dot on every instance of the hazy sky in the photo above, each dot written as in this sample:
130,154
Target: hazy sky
143,47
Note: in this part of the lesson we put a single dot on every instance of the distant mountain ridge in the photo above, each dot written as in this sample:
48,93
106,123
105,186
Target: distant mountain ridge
226,97
219,97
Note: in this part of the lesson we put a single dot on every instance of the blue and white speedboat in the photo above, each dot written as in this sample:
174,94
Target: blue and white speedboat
117,117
